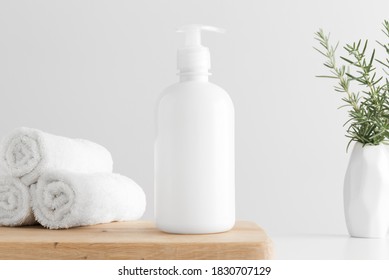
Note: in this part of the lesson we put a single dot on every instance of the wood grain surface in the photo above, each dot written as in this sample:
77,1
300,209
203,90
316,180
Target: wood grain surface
132,240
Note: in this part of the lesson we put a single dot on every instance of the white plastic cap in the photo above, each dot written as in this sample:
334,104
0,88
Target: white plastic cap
194,58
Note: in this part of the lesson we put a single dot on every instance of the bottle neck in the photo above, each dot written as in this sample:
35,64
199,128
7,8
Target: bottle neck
194,77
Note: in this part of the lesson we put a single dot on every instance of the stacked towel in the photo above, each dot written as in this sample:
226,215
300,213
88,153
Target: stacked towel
62,183
66,199
26,153
15,203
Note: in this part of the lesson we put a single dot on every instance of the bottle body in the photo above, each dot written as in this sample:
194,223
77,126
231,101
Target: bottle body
194,159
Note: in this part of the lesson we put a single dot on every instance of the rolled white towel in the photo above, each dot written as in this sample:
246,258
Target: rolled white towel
63,199
15,203
26,153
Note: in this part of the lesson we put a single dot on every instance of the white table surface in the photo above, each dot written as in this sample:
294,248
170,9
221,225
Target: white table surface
329,247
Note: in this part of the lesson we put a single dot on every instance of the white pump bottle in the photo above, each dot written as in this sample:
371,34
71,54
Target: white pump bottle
194,147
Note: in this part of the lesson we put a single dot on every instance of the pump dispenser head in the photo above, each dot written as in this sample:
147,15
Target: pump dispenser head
194,58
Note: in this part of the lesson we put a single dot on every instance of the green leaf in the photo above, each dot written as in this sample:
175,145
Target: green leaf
368,107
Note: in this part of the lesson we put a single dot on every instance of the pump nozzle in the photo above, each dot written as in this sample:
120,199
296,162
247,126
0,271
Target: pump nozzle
193,33
194,58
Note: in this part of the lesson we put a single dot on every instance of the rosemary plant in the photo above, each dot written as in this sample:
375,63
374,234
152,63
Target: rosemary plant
368,121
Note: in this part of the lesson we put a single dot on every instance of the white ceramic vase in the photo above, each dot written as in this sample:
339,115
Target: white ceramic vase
366,191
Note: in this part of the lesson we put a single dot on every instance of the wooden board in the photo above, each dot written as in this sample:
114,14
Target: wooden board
132,240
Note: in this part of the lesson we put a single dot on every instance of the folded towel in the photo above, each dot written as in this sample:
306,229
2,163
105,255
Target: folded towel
15,203
63,199
26,153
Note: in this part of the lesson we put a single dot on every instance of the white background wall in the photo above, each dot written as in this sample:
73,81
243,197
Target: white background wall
93,69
